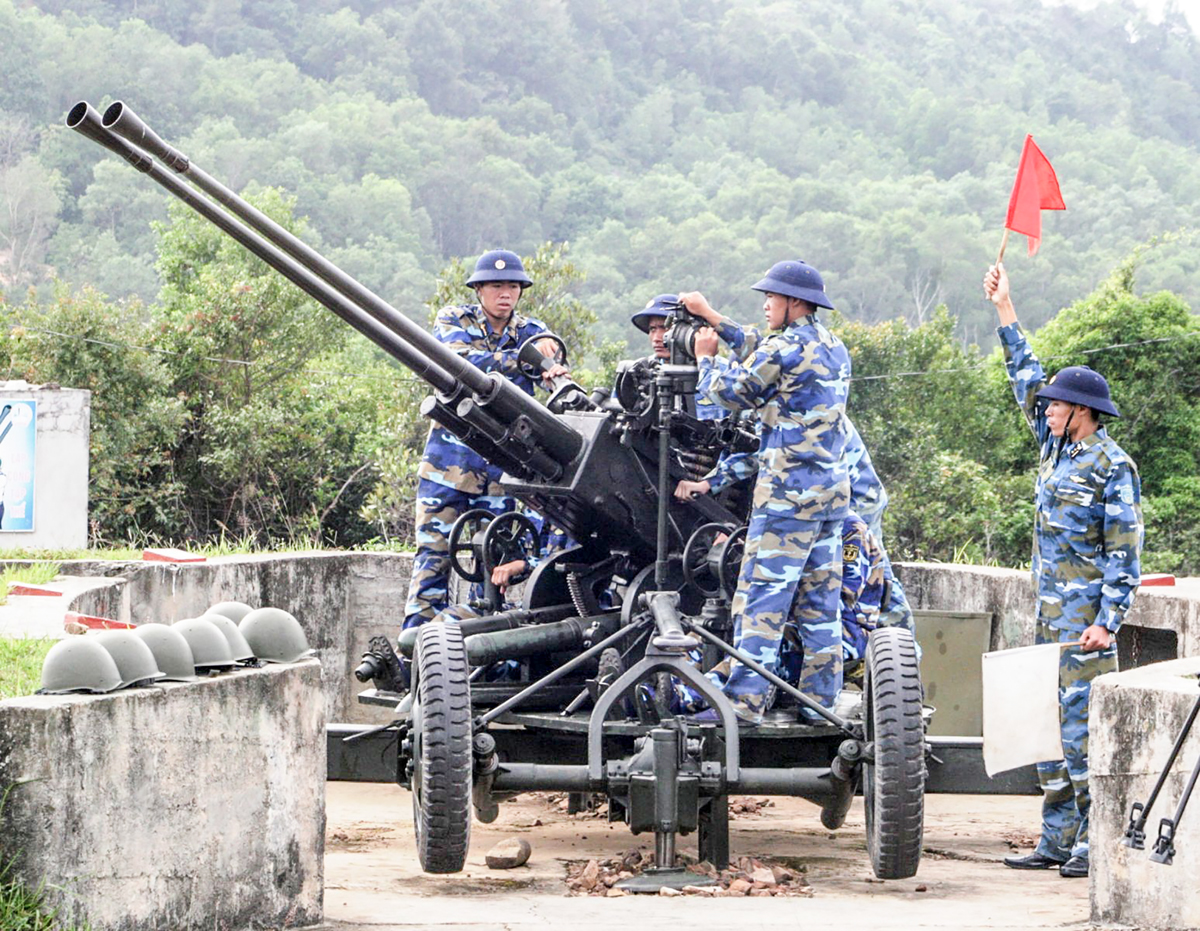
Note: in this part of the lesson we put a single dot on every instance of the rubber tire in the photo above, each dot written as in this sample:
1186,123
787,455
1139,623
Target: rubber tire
894,785
441,728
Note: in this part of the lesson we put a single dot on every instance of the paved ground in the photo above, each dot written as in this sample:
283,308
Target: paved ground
372,880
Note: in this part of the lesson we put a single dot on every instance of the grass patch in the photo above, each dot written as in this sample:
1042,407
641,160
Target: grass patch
21,668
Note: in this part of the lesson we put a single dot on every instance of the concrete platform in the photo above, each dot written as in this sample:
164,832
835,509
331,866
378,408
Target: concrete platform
373,881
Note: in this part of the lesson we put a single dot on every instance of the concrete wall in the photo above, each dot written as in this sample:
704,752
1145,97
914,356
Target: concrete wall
1134,719
60,502
1008,594
340,599
186,805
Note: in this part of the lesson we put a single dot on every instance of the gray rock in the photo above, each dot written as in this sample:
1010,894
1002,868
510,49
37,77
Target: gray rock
509,854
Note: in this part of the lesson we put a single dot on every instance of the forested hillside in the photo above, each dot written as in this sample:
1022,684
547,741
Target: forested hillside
626,149
684,143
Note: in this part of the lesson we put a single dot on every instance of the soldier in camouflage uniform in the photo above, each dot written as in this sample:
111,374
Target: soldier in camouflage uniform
652,320
797,380
1087,540
453,478
872,597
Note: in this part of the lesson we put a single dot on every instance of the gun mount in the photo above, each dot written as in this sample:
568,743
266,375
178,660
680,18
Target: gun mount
496,703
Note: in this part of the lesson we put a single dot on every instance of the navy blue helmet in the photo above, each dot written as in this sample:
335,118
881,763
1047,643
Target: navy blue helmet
500,265
661,306
1078,384
795,279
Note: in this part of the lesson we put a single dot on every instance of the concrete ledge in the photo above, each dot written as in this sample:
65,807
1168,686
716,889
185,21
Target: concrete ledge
1134,719
178,806
340,599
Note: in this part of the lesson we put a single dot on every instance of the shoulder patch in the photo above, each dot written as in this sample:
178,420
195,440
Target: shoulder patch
850,553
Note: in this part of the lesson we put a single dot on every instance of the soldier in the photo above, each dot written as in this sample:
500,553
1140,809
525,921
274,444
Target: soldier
453,478
1087,540
652,320
797,379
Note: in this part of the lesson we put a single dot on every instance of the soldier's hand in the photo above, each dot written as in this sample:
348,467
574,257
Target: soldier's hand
995,284
697,304
706,342
686,491
1096,637
554,371
505,572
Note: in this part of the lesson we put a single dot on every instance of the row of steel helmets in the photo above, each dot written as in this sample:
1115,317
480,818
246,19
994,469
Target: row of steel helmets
228,635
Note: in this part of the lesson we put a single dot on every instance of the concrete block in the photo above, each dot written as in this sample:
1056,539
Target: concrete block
180,806
1134,719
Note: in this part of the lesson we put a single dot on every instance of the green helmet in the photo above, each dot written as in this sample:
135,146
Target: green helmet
210,647
79,664
237,643
171,651
275,636
234,610
134,659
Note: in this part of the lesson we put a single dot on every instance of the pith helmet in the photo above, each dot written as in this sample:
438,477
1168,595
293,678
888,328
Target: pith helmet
234,610
275,636
1078,384
210,647
135,660
237,643
794,279
500,265
79,664
658,307
171,651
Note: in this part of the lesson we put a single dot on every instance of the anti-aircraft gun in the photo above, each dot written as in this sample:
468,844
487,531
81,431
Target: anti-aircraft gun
567,691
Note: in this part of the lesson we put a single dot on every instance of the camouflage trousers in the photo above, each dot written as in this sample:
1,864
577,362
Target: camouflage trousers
1066,802
438,507
791,574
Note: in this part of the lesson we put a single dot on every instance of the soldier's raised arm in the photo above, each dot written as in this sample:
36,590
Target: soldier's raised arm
1025,372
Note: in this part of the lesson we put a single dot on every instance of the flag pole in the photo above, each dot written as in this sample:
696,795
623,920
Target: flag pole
1003,246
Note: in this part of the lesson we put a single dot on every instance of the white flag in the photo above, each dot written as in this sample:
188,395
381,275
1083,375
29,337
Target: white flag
1021,723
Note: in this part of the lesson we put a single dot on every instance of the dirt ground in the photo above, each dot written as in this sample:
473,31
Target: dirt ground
373,880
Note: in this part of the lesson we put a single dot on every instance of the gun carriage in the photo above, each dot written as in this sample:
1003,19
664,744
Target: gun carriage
517,698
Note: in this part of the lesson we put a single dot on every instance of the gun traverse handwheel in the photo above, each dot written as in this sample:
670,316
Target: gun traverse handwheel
729,560
697,568
509,537
532,362
462,543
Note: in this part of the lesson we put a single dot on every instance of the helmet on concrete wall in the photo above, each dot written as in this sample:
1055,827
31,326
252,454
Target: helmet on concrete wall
79,664
234,610
171,651
210,647
133,657
275,636
237,642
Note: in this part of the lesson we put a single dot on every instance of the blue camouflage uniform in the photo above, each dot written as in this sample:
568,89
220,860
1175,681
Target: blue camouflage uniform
453,478
1087,540
871,595
798,381
868,498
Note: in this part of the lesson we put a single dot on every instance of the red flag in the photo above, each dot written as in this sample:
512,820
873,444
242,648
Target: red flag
1035,190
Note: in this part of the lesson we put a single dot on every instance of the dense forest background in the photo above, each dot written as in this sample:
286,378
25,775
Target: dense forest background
630,149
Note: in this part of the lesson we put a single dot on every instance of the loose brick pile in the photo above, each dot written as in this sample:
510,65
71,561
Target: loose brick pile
749,876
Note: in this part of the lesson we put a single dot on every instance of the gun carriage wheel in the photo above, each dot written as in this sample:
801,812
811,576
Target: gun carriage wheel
462,542
441,762
894,782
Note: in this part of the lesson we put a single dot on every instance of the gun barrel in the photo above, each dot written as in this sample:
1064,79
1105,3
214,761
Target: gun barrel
123,132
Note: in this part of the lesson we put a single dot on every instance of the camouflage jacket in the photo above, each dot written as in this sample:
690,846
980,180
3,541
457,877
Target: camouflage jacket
797,380
867,493
1088,523
465,329
865,574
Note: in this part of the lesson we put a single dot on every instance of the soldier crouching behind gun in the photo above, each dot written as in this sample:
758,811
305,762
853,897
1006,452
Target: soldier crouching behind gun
1087,540
797,379
454,478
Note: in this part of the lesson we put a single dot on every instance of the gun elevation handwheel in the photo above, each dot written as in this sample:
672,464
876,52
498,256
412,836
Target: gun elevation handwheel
531,360
697,567
730,562
509,537
462,543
